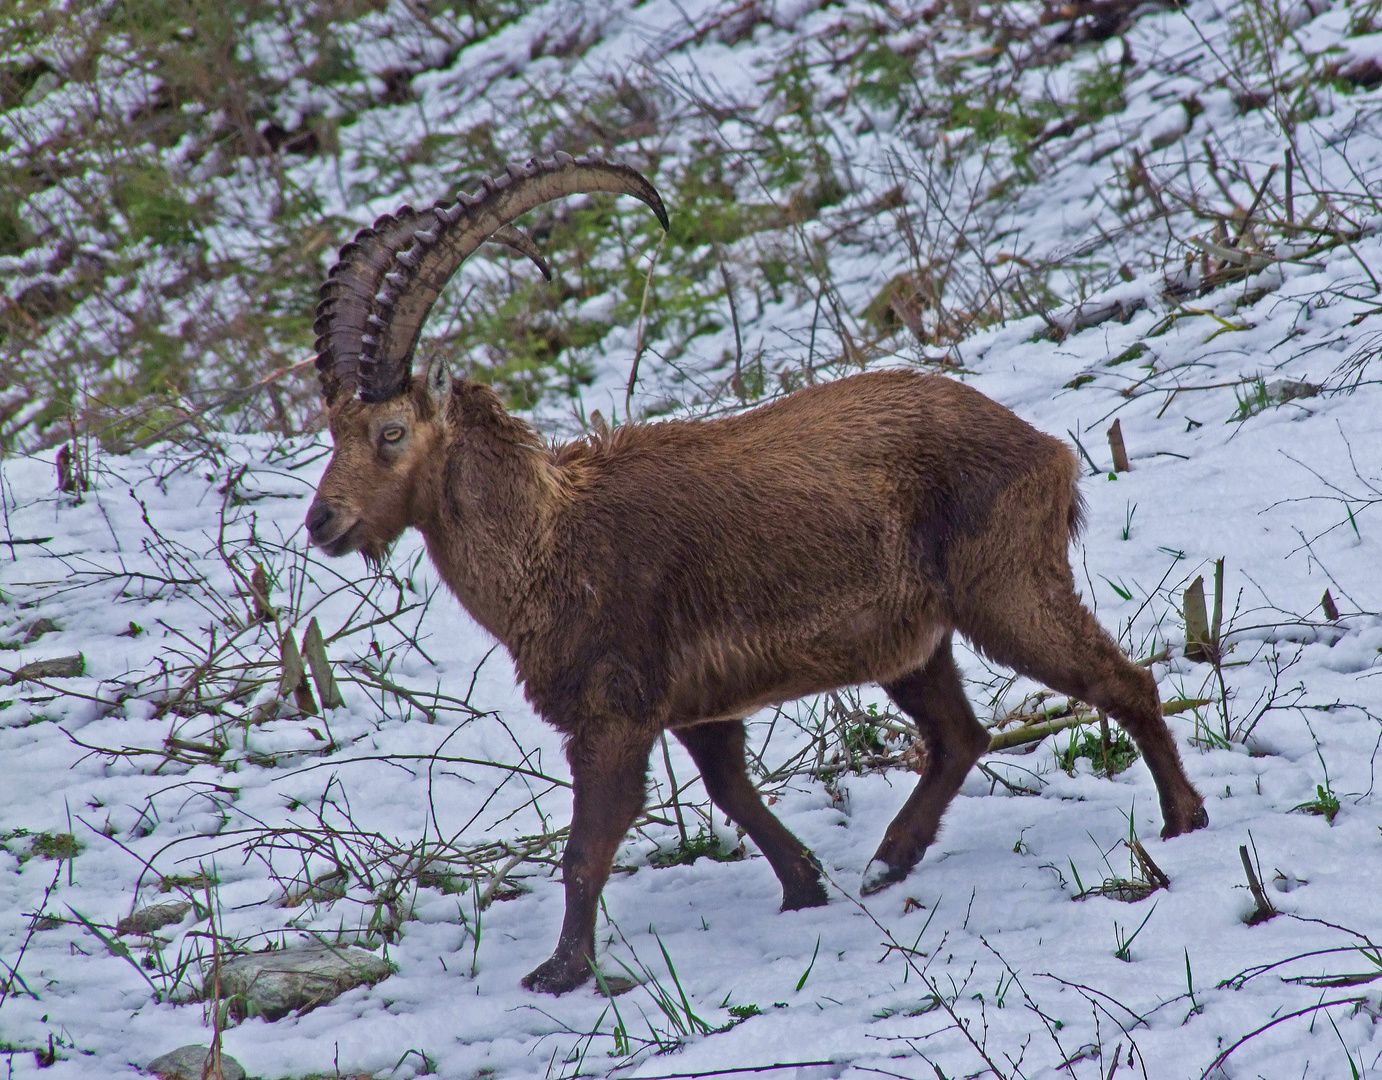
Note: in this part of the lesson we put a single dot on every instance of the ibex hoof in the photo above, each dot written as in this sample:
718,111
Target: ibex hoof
805,896
556,976
878,875
1197,819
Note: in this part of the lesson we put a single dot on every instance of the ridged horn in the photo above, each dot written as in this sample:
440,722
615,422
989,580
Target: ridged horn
369,338
524,244
347,300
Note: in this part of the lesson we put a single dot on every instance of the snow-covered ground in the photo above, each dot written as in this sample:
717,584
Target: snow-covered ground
990,910
167,762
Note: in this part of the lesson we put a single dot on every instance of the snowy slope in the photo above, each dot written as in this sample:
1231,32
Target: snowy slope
996,889
981,960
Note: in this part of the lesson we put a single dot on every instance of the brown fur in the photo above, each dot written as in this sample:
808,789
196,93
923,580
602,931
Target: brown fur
681,575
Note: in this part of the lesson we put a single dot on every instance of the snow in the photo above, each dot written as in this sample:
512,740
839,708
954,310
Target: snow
1253,491
981,959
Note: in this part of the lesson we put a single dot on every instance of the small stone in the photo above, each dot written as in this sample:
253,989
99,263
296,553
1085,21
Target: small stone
154,917
273,984
1365,72
37,629
187,1062
60,667
324,890
1284,390
1168,127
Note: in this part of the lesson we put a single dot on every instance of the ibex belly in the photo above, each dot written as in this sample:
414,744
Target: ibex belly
733,676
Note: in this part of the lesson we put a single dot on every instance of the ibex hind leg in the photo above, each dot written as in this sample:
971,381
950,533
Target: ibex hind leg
934,697
718,751
1050,636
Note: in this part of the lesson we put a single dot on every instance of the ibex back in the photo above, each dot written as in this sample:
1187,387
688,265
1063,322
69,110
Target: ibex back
681,575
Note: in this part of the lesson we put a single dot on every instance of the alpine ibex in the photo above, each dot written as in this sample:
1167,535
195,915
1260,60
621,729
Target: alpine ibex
681,575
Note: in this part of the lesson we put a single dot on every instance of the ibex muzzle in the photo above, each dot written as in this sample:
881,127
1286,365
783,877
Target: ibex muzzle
681,575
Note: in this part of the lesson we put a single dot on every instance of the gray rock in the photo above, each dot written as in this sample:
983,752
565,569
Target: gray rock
1175,125
60,667
1284,390
154,917
186,1062
37,629
325,889
273,984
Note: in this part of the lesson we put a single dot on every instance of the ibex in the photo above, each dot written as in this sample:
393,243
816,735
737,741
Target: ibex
678,576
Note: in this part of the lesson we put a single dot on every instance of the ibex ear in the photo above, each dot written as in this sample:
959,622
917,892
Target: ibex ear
438,380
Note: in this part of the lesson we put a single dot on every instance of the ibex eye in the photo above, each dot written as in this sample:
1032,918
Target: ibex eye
392,434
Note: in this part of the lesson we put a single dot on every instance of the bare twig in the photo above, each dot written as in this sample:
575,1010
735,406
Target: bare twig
221,402
642,311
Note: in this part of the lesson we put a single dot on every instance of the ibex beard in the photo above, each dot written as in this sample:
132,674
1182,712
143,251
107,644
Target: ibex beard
678,576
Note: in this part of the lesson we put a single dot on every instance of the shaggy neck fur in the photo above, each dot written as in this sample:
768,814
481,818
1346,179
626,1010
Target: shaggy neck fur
493,494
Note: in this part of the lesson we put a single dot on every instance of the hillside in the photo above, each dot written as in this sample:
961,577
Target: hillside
1165,216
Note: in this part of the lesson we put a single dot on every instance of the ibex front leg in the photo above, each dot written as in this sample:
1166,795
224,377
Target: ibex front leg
609,776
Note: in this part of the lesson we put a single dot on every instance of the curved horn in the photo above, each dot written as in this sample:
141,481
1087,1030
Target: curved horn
346,309
347,298
386,327
522,243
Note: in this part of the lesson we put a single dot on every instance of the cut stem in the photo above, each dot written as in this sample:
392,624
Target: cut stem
1259,897
1115,445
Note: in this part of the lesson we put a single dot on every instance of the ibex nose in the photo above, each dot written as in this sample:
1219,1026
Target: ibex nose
319,516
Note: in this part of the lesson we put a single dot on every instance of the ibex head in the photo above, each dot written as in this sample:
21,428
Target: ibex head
390,426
